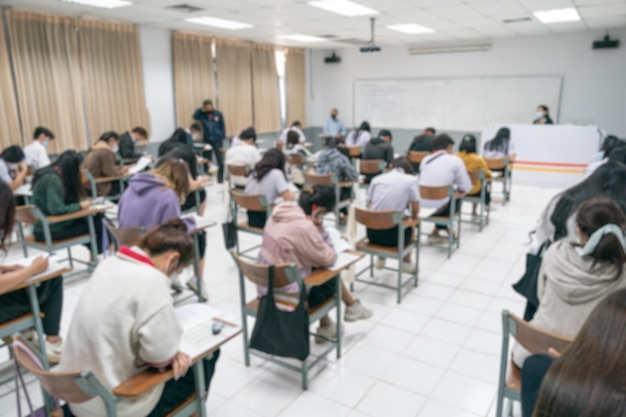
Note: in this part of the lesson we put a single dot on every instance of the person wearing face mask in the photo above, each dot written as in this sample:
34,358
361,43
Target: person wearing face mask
101,161
334,127
138,136
214,132
542,117
36,152
194,133
134,326
13,168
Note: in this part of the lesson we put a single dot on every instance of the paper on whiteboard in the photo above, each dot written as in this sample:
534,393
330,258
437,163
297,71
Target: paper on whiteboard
143,163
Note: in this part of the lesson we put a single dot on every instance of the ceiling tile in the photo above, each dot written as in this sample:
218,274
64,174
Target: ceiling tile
606,23
566,27
498,7
532,28
454,12
609,10
536,5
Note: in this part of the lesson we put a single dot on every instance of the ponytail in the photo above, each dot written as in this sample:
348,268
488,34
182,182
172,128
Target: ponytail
317,196
610,249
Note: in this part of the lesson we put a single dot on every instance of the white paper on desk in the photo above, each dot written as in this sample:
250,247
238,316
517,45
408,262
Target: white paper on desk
24,190
197,323
343,260
339,243
200,222
142,164
54,265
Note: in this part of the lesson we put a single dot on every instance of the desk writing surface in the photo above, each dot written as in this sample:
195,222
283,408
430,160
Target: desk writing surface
200,222
321,276
55,269
24,190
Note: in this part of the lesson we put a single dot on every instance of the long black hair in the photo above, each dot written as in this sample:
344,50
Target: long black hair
273,159
7,214
365,126
468,144
607,181
501,141
67,166
609,143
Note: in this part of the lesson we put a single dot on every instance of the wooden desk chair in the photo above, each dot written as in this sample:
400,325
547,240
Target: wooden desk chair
93,182
17,325
452,221
370,168
481,200
30,215
381,220
533,339
249,202
237,171
415,158
82,386
296,160
354,151
504,177
331,180
283,275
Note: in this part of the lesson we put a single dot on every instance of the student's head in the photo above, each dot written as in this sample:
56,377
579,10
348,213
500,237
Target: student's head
195,130
468,144
179,136
543,110
139,133
169,246
112,139
430,131
7,214
423,138
365,126
43,135
12,155
248,135
442,142
404,164
331,143
501,141
67,166
618,152
588,378
600,226
296,123
317,197
293,138
608,144
207,105
334,113
175,173
385,135
272,159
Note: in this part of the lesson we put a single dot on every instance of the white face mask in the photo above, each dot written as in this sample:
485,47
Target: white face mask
45,143
12,166
195,136
538,115
115,148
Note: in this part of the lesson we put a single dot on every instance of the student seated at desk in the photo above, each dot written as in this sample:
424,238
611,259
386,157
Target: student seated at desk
380,148
500,146
154,197
36,152
359,137
243,153
294,146
296,126
17,303
440,169
394,190
101,161
295,234
176,147
616,151
609,142
331,161
474,162
127,142
268,178
57,190
134,326
421,143
13,168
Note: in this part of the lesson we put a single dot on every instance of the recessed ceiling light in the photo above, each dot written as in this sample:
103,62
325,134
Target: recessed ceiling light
103,4
343,7
410,28
557,15
218,23
302,38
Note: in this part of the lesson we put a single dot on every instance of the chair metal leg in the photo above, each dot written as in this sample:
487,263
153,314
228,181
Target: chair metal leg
246,348
338,292
198,376
94,246
399,289
196,266
69,257
305,376
417,254
458,231
450,238
371,266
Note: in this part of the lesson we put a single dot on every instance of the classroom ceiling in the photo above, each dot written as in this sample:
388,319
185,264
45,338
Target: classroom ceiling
451,20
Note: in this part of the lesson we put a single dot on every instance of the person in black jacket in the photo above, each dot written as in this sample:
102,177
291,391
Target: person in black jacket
128,140
214,132
542,117
379,148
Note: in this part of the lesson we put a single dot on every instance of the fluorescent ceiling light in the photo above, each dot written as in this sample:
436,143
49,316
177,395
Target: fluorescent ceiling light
343,7
410,28
557,15
103,4
303,38
218,23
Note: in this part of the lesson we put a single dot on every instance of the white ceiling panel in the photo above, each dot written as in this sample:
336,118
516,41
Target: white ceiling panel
536,5
454,12
608,10
498,7
606,23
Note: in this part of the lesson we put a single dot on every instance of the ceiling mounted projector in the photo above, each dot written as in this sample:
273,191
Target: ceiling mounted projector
606,43
371,45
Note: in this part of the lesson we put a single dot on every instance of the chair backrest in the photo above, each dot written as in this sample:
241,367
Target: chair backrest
319,179
284,274
238,170
354,151
127,236
497,163
532,338
295,160
370,166
435,193
415,157
61,385
377,220
24,214
475,175
251,202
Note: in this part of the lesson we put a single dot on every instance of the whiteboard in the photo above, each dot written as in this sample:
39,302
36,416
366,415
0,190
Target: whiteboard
469,103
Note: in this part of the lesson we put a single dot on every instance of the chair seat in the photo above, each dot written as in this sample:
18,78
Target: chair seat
365,245
246,226
10,323
514,379
31,240
182,405
254,305
440,218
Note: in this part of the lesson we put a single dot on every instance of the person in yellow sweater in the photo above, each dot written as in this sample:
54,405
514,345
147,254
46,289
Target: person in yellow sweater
474,162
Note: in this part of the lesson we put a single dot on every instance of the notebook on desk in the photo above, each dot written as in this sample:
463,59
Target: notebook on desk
54,265
200,222
343,260
197,321
143,163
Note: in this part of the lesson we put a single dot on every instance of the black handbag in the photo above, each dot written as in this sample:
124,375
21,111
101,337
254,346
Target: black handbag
230,234
281,333
527,285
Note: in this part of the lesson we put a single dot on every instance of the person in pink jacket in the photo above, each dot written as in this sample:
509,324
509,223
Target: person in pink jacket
294,234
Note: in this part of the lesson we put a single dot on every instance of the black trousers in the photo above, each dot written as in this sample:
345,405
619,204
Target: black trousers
320,293
219,158
388,237
487,196
445,212
533,371
76,228
344,194
50,295
190,202
257,218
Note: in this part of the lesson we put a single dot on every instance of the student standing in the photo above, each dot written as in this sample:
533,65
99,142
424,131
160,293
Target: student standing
135,326
360,137
13,168
214,132
138,135
36,152
296,126
244,153
101,161
474,162
334,127
542,117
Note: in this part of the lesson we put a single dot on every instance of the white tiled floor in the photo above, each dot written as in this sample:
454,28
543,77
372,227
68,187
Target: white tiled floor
434,355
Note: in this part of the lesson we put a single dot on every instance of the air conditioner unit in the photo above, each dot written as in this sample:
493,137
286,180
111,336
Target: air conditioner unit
447,49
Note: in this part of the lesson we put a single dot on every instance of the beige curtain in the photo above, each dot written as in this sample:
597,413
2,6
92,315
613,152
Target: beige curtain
234,83
114,90
295,80
9,122
265,96
47,75
193,74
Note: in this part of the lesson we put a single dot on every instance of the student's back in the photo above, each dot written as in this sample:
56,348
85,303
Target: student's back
147,202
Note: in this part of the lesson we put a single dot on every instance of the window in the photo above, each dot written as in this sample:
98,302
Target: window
282,92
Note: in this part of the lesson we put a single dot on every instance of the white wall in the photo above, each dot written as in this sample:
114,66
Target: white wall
594,82
158,78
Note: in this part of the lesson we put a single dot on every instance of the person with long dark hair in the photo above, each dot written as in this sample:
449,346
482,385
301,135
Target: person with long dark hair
359,137
58,190
501,146
612,149
15,304
270,179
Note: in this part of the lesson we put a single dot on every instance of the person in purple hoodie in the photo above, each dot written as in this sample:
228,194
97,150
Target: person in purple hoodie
154,197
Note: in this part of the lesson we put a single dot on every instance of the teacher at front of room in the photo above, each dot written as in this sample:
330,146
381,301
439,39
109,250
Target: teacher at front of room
542,117
334,126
